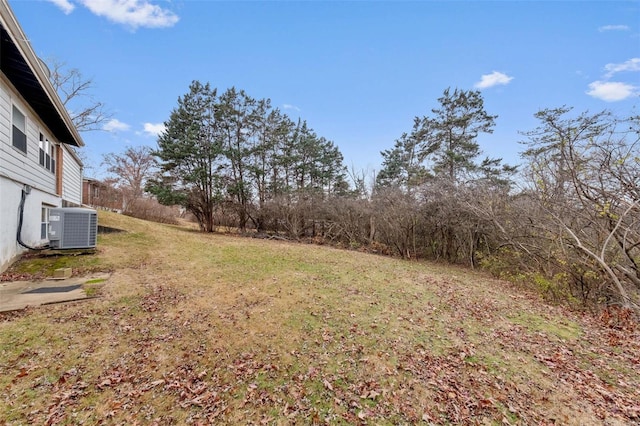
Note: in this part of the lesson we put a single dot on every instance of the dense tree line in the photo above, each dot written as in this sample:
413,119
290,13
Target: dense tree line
571,227
567,222
234,160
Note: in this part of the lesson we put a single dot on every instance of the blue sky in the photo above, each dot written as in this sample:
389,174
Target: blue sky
357,71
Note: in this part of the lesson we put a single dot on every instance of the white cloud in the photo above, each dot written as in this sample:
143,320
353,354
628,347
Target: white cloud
494,79
115,125
612,91
133,13
613,28
154,129
632,64
65,5
289,106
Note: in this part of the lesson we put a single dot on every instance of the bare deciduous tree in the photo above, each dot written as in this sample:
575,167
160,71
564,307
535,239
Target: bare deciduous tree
74,90
584,177
131,170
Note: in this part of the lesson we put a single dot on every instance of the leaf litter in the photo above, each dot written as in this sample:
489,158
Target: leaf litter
429,349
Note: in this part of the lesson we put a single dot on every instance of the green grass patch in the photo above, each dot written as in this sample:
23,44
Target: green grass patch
216,329
45,265
91,291
565,329
93,287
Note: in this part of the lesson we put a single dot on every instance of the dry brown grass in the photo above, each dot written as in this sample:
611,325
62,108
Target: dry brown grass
201,329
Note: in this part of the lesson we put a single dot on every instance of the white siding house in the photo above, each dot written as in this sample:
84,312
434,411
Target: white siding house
38,168
72,173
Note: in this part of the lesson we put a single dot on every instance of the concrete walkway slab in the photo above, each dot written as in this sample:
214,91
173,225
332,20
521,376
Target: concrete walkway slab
16,295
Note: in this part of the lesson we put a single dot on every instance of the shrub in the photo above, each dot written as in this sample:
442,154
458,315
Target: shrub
151,209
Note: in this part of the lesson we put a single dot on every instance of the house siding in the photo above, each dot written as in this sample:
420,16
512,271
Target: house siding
10,194
18,170
5,117
13,162
25,85
71,178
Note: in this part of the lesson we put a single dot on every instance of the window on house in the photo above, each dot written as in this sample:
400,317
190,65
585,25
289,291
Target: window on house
44,222
19,130
47,154
41,144
52,154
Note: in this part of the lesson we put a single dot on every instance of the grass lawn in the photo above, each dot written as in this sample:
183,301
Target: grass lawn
214,329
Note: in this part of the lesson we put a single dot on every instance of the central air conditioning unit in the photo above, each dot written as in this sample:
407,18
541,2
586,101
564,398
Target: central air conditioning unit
73,228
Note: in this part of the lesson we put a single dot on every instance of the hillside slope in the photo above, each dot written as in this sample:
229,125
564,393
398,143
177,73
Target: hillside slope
202,329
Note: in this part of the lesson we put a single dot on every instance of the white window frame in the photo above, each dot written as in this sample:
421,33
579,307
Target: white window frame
20,127
47,154
44,221
52,149
41,150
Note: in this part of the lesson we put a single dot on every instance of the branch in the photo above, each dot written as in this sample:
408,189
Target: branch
623,293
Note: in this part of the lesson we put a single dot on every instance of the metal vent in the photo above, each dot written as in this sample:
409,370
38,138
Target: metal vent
73,227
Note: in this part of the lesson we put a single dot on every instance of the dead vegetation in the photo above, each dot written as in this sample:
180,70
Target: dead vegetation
209,329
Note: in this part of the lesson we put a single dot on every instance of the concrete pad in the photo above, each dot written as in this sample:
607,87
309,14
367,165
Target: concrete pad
16,295
62,273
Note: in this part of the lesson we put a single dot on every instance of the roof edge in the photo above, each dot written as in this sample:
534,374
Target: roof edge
14,30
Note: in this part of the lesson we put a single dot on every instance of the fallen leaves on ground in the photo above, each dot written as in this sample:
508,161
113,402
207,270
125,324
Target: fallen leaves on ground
416,347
